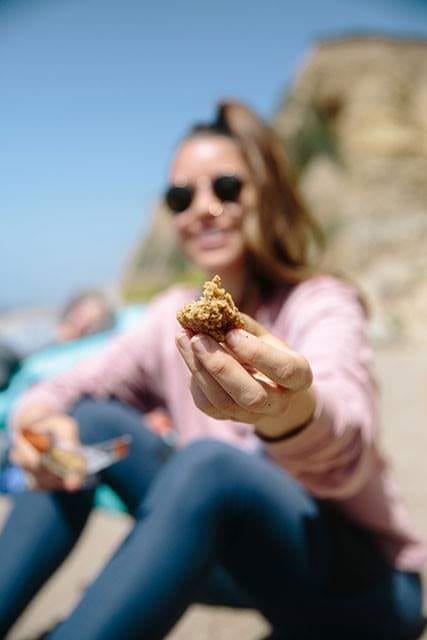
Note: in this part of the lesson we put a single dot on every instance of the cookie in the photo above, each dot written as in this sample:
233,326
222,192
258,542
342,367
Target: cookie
214,314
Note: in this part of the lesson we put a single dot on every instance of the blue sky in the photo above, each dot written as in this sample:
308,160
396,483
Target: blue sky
94,94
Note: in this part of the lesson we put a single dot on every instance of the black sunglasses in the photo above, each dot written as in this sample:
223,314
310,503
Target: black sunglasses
227,188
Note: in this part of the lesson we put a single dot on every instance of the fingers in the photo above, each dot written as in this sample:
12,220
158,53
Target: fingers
228,389
32,415
39,477
63,427
202,402
222,379
44,480
24,454
213,391
208,394
73,482
235,412
272,357
253,376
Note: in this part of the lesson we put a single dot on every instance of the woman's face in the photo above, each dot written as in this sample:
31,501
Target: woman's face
210,230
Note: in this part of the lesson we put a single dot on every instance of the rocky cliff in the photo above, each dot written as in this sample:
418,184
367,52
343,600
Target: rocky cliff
355,125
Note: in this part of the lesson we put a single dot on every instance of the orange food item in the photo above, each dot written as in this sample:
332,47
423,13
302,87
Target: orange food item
213,314
42,442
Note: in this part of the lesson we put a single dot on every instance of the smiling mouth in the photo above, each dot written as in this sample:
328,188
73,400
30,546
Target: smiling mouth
212,238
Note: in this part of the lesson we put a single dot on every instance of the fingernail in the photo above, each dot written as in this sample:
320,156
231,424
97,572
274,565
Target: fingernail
200,344
184,342
234,337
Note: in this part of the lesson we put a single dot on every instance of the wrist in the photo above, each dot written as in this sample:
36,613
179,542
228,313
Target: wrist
297,418
286,434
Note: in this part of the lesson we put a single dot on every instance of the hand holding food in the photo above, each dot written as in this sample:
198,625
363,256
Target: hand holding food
32,440
256,379
65,461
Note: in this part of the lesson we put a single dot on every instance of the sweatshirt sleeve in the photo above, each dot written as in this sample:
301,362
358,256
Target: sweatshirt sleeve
326,322
127,369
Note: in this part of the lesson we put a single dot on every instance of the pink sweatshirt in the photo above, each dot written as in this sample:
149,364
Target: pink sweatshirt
336,457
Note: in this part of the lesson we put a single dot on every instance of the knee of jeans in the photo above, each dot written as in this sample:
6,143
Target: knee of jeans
97,419
88,406
204,474
211,460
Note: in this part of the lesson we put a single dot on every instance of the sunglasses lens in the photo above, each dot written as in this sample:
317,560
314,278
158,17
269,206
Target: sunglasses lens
178,199
227,188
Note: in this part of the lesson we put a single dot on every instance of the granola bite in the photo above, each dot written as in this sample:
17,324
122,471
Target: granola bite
214,313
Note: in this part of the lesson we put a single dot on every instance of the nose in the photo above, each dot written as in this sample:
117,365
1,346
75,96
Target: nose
205,201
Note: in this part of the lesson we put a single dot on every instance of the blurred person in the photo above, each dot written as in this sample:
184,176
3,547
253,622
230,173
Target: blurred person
86,321
85,314
85,324
276,495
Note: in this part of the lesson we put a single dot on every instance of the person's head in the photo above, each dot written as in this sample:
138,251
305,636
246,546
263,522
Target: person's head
233,203
85,314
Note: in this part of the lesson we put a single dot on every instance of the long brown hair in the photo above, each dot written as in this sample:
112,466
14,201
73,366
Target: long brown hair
282,237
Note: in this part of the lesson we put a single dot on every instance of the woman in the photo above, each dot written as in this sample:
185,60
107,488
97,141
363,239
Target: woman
276,495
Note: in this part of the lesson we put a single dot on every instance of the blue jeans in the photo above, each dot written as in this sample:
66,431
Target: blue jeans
212,524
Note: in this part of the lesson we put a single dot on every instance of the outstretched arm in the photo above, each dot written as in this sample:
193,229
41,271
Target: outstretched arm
325,376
